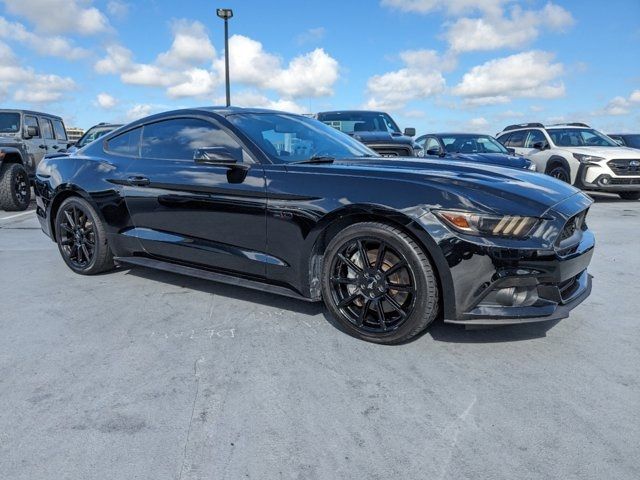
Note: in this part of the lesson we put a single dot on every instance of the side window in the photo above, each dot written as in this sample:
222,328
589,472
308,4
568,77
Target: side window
177,139
127,143
516,140
30,121
535,136
420,141
504,139
59,130
431,143
47,129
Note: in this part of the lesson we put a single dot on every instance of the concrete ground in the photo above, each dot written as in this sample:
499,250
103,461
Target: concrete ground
139,374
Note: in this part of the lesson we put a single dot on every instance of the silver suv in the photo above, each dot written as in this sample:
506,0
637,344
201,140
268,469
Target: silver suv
25,137
576,153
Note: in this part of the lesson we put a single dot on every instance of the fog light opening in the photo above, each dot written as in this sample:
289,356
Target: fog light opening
605,180
517,296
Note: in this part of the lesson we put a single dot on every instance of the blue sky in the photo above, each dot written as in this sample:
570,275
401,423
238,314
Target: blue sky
433,64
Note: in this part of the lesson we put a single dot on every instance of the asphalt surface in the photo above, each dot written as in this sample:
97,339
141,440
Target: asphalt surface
139,374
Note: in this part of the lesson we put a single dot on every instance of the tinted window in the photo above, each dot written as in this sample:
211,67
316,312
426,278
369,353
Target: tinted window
580,137
30,121
535,136
516,140
177,139
350,122
93,134
9,122
126,144
632,140
432,144
58,127
47,129
472,144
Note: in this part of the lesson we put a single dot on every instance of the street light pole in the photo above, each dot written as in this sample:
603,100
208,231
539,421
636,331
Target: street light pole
226,14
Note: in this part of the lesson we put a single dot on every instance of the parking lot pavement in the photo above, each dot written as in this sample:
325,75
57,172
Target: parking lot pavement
147,375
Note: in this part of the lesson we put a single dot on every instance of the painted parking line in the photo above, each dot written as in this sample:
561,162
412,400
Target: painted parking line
17,215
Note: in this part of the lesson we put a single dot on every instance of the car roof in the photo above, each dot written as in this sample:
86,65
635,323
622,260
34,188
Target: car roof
349,112
471,134
29,112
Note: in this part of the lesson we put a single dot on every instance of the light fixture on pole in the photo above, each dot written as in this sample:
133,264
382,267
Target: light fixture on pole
226,14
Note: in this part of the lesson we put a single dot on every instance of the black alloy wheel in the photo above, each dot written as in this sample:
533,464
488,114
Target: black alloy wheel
560,173
22,187
379,284
81,238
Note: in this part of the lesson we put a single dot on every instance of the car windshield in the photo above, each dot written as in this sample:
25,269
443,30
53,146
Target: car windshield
472,144
292,138
632,141
9,122
350,122
580,137
93,134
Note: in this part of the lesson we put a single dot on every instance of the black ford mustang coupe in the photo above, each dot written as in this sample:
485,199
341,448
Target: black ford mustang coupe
287,204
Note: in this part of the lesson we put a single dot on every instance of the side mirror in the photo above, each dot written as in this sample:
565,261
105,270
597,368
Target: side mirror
31,132
540,145
216,156
410,132
71,144
435,152
511,150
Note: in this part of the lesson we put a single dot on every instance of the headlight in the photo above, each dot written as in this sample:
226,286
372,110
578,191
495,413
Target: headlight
532,167
586,158
488,225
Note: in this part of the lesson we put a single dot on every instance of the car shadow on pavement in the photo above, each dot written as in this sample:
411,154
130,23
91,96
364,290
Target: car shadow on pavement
439,331
611,198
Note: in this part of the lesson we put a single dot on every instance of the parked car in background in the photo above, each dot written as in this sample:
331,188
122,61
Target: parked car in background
25,137
631,140
576,153
377,130
470,147
285,204
92,134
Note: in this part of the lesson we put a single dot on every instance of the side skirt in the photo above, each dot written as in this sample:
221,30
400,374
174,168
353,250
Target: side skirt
213,276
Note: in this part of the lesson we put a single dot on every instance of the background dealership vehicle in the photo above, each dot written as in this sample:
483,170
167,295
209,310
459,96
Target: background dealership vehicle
631,140
577,154
377,130
25,137
92,134
289,205
470,147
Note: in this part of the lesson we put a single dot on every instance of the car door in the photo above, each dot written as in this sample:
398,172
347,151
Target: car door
48,138
36,145
516,141
61,142
536,148
198,212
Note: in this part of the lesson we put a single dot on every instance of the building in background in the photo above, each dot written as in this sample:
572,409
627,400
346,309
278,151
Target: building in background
74,133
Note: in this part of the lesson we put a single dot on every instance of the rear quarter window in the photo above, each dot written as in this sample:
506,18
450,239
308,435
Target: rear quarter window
127,143
58,128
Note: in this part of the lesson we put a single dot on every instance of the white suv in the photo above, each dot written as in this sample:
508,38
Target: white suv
577,154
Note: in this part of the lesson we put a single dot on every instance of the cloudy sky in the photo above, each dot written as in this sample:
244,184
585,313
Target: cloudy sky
434,64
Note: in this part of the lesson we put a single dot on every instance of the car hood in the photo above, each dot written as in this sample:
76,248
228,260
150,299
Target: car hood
606,152
479,187
493,159
381,137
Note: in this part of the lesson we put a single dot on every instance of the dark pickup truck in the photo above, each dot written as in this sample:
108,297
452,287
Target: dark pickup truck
376,130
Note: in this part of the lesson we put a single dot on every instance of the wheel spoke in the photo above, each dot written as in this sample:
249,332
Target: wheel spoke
381,319
348,301
70,219
395,268
343,280
349,263
396,306
66,242
86,253
66,228
363,313
382,250
402,288
363,254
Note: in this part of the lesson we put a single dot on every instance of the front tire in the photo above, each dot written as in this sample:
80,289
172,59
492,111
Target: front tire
81,238
629,195
15,188
379,284
559,172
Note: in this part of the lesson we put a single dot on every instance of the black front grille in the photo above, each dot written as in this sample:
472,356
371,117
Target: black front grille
624,167
624,181
392,150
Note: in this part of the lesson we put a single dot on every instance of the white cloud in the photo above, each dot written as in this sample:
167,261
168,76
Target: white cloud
28,85
142,110
500,31
453,7
118,9
199,83
635,96
529,74
106,101
60,16
621,105
311,35
421,77
55,46
118,59
251,98
191,45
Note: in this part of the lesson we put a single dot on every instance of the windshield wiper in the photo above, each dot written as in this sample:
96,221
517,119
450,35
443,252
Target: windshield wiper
317,159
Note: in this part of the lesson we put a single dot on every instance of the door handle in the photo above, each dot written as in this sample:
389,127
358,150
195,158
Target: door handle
139,181
55,147
44,147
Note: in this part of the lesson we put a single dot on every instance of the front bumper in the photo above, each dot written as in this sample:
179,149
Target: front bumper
600,177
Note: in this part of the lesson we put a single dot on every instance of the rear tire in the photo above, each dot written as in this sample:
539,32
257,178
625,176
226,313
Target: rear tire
560,172
15,188
629,195
390,297
81,238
